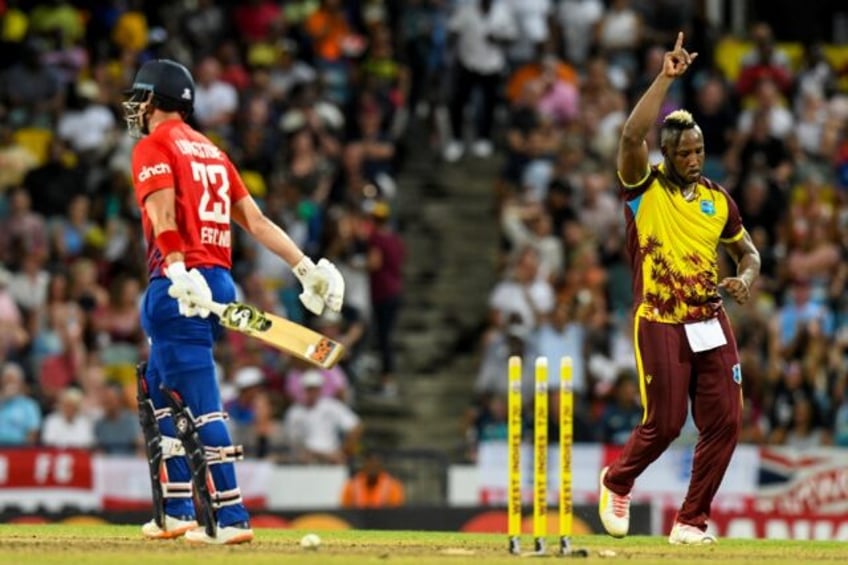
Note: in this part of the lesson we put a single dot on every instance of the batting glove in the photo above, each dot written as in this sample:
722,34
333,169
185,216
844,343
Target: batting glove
187,285
323,285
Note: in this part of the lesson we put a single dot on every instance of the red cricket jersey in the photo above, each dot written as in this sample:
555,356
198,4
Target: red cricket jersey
206,185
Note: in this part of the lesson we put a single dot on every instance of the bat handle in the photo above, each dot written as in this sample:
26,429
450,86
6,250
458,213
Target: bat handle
215,307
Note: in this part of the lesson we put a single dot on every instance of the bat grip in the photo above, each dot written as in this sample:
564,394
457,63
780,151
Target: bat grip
215,307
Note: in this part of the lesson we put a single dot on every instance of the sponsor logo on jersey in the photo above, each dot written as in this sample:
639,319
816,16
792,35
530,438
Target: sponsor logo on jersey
154,170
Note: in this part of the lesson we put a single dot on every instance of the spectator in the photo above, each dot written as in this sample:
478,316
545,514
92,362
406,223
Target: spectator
332,40
549,81
216,101
31,88
67,426
205,26
289,71
532,226
117,431
488,422
767,100
376,148
13,333
522,292
88,126
372,486
310,170
599,213
250,412
321,429
764,61
758,151
619,34
256,19
577,20
386,256
53,184
841,423
22,233
17,160
481,28
803,313
713,113
623,413
563,335
499,344
531,28
334,382
20,416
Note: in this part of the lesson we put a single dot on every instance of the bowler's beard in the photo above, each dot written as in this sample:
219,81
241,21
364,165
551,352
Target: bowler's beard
676,178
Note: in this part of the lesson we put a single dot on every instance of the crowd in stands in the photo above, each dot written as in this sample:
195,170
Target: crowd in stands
312,100
309,100
774,117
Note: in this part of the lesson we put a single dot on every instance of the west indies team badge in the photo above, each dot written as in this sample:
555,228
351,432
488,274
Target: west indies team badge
708,207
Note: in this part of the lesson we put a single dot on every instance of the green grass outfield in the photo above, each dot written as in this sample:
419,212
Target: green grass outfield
120,545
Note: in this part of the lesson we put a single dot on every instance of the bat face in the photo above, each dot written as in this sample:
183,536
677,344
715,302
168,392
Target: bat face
283,334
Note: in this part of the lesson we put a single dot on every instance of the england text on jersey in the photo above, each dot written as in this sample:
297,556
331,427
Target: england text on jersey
215,236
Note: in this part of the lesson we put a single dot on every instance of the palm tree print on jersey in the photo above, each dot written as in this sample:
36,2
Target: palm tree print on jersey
678,288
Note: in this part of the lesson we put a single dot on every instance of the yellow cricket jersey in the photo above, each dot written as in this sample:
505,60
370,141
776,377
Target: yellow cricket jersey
673,246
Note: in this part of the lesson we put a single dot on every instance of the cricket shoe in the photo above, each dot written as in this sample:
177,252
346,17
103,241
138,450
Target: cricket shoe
226,535
174,527
684,534
613,509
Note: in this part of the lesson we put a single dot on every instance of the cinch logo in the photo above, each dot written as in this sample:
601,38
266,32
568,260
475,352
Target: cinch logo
153,170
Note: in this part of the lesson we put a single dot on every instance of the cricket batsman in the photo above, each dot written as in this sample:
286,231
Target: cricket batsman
189,191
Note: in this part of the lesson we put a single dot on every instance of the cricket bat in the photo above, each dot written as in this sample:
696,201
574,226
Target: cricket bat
278,332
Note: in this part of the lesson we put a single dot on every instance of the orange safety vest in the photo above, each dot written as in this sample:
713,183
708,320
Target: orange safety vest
386,492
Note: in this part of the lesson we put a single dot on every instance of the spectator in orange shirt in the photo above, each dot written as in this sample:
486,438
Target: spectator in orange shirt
546,62
328,28
372,487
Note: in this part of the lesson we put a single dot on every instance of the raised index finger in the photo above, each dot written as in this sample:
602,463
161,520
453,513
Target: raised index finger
679,42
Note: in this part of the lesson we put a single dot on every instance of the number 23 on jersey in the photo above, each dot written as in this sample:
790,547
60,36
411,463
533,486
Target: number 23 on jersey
215,202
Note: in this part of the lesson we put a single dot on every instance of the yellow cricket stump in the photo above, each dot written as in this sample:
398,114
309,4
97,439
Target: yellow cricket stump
540,455
514,426
566,437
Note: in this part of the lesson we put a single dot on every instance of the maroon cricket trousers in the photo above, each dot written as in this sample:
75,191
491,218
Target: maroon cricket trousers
670,375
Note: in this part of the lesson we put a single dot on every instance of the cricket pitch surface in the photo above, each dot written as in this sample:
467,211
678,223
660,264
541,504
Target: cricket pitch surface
123,545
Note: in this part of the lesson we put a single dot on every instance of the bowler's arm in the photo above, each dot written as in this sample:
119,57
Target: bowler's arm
632,160
747,259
